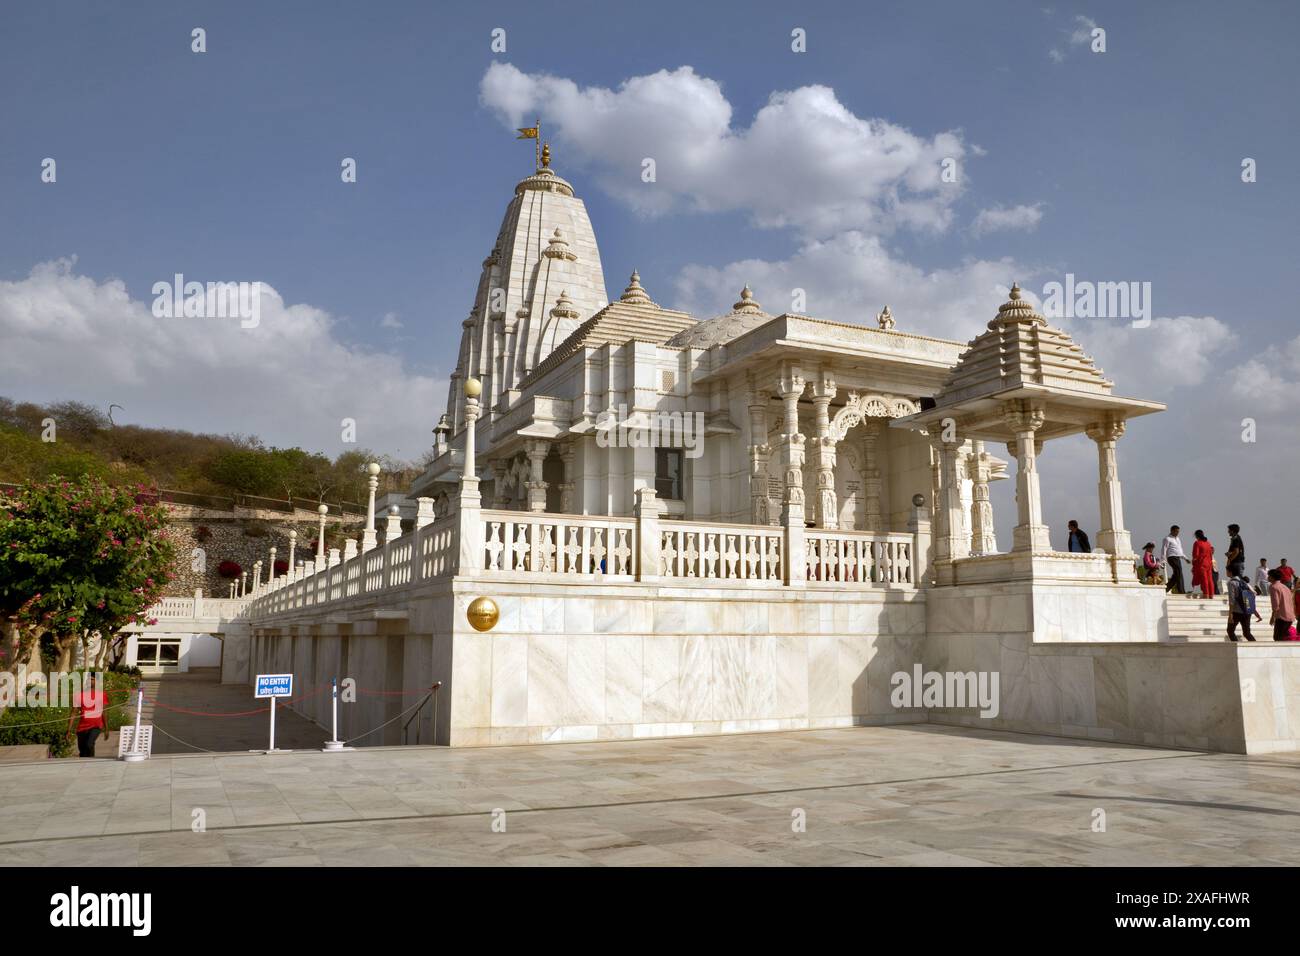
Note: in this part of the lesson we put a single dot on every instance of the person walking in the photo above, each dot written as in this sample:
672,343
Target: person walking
1171,554
1203,564
1261,577
88,716
1283,602
1241,605
1078,540
1236,556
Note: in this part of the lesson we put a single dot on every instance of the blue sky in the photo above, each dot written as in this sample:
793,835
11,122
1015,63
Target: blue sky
225,165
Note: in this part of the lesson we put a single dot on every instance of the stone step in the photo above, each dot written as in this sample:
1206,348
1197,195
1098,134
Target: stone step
1197,618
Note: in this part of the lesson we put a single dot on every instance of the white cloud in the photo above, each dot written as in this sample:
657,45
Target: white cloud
290,380
1172,352
1000,218
805,161
1078,34
850,278
390,321
1272,385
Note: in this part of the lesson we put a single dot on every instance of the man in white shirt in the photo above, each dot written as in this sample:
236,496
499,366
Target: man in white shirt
1171,553
1261,577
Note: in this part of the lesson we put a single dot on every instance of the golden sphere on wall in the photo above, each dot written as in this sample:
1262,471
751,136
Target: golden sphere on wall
483,614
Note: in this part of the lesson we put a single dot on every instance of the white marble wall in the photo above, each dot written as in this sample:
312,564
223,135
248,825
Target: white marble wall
1062,677
1089,612
569,663
594,662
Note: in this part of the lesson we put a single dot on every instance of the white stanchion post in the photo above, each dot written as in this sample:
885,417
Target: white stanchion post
334,743
135,755
272,750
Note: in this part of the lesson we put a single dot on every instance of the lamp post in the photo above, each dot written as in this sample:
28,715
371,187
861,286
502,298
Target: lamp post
323,510
368,538
470,556
243,582
270,574
293,547
257,576
473,389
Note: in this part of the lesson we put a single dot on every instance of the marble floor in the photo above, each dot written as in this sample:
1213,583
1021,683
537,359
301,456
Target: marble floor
917,795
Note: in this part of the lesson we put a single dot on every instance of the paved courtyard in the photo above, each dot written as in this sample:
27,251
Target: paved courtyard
919,795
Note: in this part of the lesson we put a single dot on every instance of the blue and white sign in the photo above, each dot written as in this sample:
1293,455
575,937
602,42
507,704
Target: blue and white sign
274,685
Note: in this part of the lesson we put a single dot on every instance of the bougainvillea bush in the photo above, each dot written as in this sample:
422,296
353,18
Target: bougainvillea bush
78,556
229,569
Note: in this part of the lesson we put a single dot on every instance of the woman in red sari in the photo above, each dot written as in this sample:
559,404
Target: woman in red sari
1203,565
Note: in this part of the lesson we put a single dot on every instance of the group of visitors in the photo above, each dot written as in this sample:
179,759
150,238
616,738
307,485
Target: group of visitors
1280,583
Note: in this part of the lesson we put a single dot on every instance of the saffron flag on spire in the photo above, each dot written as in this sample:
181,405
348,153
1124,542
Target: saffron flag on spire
528,132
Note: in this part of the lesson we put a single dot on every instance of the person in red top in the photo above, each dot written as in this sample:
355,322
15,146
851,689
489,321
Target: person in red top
1283,601
87,718
1203,565
1286,571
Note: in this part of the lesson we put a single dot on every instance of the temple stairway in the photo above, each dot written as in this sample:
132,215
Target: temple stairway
1200,619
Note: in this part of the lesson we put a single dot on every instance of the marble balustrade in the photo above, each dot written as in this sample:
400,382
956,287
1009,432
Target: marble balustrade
594,547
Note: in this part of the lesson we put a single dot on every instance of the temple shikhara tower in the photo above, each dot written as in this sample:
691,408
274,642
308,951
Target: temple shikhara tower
641,522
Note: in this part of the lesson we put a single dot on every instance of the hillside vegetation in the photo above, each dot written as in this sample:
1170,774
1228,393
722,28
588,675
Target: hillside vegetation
88,443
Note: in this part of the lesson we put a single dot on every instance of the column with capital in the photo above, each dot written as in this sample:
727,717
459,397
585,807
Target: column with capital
983,539
760,505
1113,537
536,450
792,447
1030,533
823,390
872,518
950,542
568,455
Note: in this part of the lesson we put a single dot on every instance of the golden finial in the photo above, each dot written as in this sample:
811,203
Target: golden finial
546,156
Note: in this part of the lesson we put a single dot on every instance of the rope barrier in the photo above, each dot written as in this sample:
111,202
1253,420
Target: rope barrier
386,723
61,720
184,743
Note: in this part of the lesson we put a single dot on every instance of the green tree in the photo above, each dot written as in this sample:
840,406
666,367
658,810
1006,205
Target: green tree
78,557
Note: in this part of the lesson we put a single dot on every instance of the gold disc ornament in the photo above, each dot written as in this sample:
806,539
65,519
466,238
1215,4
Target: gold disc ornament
483,614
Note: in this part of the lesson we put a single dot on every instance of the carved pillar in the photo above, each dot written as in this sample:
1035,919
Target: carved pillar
983,539
536,450
760,452
871,483
823,391
1113,537
792,516
1030,533
950,542
568,454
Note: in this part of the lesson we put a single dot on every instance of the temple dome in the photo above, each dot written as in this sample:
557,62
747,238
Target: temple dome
1020,349
745,315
